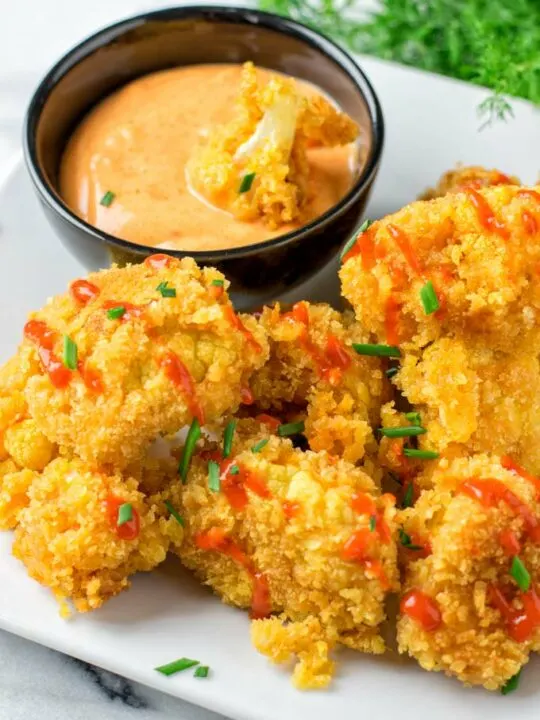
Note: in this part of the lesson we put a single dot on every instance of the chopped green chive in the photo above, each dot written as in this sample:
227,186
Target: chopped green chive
202,671
291,429
406,541
69,355
399,432
408,496
125,514
214,482
372,523
420,454
350,242
413,418
191,440
217,283
165,291
260,445
247,182
512,684
175,514
391,372
116,312
520,574
429,298
376,350
176,666
228,438
107,199
234,470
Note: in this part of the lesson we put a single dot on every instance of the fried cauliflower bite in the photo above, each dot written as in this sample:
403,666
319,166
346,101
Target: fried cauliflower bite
312,364
297,534
467,176
473,399
171,355
481,251
274,125
69,539
462,611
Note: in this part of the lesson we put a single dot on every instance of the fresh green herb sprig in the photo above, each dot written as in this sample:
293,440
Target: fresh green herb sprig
494,43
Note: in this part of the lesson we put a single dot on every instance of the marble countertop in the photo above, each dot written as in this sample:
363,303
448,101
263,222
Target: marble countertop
35,681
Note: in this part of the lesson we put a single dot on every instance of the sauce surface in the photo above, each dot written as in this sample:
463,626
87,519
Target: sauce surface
136,143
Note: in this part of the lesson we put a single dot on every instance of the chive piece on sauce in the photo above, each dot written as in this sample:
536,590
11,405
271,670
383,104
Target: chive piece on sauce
260,445
70,353
399,432
372,522
391,372
174,513
512,684
350,242
408,496
420,454
234,470
291,429
125,514
406,541
107,199
429,298
214,482
376,350
217,283
176,666
228,438
520,574
191,440
202,671
413,418
166,292
246,183
116,313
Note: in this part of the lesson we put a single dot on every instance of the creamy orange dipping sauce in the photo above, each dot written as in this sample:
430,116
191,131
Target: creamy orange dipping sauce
136,144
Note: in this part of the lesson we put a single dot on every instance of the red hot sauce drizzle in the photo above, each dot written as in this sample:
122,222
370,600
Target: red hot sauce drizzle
521,623
365,505
421,608
128,530
44,338
132,312
509,464
357,549
180,376
160,261
237,324
233,485
83,291
365,247
216,539
485,214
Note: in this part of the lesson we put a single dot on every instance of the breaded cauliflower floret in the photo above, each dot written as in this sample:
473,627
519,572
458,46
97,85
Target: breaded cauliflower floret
467,176
69,539
462,610
481,251
293,533
274,125
175,351
312,363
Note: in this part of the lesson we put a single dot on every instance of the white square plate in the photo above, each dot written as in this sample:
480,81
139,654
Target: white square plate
431,125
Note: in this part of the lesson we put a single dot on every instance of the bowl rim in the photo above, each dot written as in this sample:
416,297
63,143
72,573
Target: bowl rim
241,15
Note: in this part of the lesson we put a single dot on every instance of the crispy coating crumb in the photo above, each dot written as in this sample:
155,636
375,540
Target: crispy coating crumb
312,364
307,640
466,176
27,446
275,124
140,398
484,275
292,529
473,641
67,541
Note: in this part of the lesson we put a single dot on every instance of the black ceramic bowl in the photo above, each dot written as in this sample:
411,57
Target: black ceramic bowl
183,36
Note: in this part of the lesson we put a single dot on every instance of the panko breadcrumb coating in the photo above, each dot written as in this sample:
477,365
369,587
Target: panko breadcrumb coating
481,251
68,538
298,534
274,126
462,610
169,356
312,363
467,176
